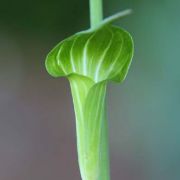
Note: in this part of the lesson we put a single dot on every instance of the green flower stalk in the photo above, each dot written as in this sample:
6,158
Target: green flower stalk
89,60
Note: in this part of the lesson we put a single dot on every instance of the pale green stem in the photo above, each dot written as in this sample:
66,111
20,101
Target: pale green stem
117,16
104,162
96,12
96,18
92,129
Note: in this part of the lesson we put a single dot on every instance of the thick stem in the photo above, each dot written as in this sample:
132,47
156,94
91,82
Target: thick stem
104,162
96,12
91,127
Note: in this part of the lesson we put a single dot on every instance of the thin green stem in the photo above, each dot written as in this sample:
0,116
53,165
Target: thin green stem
117,16
96,12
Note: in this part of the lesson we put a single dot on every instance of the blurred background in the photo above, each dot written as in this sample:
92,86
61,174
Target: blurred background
37,126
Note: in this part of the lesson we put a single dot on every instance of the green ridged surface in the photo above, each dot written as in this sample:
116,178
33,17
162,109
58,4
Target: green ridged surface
89,60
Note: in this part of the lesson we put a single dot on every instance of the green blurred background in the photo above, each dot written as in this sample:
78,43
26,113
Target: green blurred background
37,126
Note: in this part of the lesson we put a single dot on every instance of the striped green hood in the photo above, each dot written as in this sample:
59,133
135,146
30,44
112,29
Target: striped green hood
89,60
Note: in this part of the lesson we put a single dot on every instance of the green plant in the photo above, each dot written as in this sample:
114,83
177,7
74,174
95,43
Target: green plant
89,59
